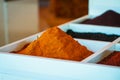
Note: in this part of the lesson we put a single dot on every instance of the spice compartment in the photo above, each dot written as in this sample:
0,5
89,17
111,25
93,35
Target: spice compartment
90,28
100,33
96,9
16,66
106,50
109,55
92,45
19,44
43,68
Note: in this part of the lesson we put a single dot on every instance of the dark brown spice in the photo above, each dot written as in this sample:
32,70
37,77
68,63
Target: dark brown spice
109,18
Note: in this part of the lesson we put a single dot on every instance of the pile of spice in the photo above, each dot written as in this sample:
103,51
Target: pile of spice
54,43
113,59
109,18
92,36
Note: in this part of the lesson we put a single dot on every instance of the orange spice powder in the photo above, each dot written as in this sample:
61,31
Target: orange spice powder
54,43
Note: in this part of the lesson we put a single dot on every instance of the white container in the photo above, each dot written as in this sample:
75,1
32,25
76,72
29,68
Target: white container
24,67
16,66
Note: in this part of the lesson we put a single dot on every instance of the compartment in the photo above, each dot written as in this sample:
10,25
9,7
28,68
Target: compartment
109,55
108,18
19,44
96,9
15,66
100,33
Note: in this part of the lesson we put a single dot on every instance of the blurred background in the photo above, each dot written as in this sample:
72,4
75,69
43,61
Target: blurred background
22,18
56,12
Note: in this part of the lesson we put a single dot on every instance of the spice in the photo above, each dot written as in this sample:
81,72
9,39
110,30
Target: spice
112,59
92,36
54,43
109,18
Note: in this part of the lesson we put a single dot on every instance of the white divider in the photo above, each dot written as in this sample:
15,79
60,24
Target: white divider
95,57
93,28
35,68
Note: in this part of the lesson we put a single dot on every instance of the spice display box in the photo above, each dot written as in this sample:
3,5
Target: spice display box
16,66
24,67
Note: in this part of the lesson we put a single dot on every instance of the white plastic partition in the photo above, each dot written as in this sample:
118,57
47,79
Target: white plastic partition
16,67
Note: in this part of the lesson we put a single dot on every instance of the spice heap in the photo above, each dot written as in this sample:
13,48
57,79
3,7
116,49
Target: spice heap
112,59
92,36
109,18
54,43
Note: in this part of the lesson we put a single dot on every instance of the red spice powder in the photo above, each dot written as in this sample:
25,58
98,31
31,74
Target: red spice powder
113,59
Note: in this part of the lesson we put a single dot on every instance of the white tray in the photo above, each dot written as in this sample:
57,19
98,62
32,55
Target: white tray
16,66
23,67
